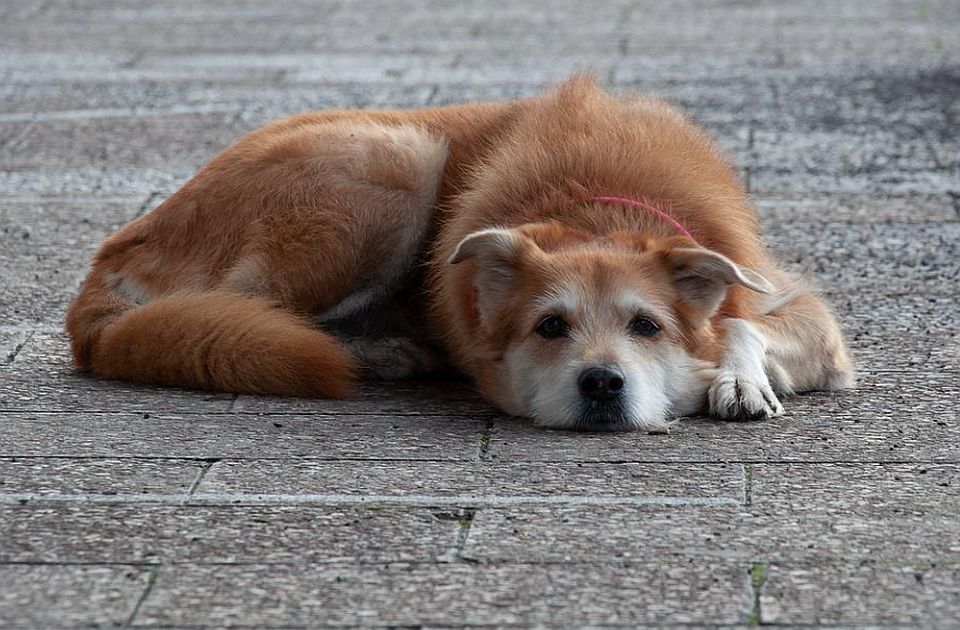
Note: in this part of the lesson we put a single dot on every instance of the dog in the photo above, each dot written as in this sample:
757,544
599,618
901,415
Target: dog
591,262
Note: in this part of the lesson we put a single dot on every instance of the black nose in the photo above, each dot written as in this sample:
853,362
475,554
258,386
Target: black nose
601,383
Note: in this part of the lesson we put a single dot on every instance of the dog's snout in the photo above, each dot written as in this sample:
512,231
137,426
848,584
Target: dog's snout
601,383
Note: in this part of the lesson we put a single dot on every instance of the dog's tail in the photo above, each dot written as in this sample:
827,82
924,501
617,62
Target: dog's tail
216,340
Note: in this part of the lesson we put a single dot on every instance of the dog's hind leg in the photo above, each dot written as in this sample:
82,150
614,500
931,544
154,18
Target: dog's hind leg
351,243
355,204
311,217
793,345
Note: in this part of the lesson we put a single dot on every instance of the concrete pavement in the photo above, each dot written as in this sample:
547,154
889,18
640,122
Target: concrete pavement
416,505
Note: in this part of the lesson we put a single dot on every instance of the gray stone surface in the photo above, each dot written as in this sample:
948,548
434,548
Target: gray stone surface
189,139
86,477
91,179
808,515
891,257
11,343
410,595
80,222
42,378
425,398
479,480
270,534
318,435
62,596
775,209
897,332
918,595
416,504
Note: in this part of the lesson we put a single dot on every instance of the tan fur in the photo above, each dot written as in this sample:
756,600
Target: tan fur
324,214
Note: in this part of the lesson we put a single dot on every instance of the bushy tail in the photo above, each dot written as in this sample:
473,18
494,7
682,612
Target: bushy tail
207,340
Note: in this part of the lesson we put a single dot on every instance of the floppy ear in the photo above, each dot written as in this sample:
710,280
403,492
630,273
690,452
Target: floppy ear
703,277
499,253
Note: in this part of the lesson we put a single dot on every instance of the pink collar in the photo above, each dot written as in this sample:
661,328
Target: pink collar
633,203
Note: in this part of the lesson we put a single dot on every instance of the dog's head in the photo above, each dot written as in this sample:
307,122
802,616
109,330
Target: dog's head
595,333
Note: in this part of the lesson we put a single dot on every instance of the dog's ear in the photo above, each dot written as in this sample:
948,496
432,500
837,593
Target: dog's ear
499,254
703,276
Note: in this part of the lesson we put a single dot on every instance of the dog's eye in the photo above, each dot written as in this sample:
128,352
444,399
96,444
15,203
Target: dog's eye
644,326
551,327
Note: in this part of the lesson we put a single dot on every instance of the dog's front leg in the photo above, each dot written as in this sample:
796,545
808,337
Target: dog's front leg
793,345
742,389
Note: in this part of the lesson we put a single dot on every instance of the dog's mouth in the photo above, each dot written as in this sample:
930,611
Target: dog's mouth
604,417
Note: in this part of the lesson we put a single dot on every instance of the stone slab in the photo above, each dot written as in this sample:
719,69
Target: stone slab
812,536
159,141
426,397
810,207
846,150
855,513
921,489
79,477
38,281
800,513
276,534
297,67
237,436
449,595
571,535
893,258
897,332
45,247
92,100
77,223
886,183
42,378
428,29
892,416
910,99
86,180
58,596
918,596
476,482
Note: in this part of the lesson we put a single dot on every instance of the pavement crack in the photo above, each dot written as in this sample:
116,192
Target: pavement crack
152,199
955,198
464,522
133,60
483,450
208,464
746,471
758,577
12,355
431,98
151,580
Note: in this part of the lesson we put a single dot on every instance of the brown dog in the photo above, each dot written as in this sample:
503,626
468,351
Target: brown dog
591,262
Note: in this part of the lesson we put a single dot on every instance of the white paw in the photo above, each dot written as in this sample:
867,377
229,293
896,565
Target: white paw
737,395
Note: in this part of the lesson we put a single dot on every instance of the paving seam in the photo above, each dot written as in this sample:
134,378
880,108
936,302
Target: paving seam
116,112
333,499
462,460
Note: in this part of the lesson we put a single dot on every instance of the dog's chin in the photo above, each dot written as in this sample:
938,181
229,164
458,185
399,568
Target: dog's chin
599,418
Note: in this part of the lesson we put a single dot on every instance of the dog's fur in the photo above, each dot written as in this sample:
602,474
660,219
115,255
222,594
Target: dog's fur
335,241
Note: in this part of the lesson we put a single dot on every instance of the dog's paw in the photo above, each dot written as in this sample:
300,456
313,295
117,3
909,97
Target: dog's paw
394,358
742,396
